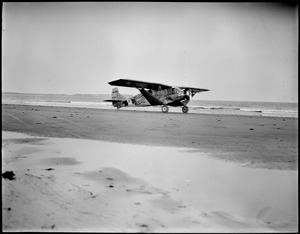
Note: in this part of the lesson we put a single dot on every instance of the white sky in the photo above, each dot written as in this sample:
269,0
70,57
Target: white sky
240,51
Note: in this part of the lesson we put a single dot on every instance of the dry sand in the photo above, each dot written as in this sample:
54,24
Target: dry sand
171,180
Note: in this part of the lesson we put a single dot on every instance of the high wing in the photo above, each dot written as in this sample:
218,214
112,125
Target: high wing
192,90
139,84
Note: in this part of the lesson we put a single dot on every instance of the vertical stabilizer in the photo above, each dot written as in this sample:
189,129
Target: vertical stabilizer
117,99
115,95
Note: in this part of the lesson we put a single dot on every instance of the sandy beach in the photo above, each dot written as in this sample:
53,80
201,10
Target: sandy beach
268,142
80,169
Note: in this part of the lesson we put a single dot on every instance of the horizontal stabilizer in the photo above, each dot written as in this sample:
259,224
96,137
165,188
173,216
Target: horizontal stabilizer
113,100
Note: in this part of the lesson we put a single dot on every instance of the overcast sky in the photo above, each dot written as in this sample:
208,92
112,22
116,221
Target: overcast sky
240,51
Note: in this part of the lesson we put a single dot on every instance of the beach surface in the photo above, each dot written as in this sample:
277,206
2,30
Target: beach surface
81,169
268,142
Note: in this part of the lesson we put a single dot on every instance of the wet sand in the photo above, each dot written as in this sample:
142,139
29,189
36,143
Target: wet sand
83,185
176,172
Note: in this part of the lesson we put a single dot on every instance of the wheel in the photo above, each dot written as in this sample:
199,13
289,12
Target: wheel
185,109
165,109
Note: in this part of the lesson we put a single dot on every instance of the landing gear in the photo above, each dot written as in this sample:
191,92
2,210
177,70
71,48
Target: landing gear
165,109
185,109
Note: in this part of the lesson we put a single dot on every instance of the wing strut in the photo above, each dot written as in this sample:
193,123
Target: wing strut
150,98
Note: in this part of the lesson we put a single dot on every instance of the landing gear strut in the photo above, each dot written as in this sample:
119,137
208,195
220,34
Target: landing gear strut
165,109
185,109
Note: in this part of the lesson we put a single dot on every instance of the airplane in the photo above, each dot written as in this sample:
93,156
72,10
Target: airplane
153,94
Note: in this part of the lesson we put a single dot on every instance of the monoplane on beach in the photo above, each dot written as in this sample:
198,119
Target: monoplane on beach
153,94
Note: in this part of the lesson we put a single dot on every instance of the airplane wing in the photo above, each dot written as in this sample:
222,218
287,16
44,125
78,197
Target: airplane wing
193,90
139,84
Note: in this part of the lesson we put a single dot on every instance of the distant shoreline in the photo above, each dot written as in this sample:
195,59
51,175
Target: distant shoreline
76,94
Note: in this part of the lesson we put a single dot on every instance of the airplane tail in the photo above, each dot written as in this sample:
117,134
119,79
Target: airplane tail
117,99
115,95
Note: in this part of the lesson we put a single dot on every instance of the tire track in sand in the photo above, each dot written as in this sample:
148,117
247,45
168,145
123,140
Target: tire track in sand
19,120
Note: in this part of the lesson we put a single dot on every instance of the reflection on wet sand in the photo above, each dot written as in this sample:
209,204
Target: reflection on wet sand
140,188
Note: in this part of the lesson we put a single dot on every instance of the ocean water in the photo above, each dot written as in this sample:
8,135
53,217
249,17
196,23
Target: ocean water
275,109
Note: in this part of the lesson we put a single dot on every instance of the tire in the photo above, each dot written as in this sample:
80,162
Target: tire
165,109
185,109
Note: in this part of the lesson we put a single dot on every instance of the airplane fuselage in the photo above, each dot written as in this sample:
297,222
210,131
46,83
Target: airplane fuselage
165,96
